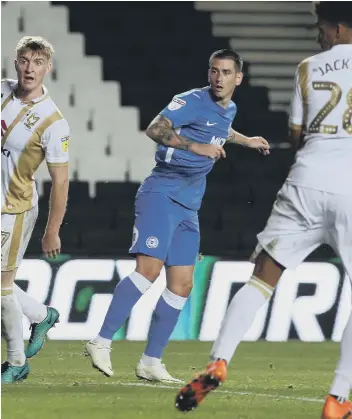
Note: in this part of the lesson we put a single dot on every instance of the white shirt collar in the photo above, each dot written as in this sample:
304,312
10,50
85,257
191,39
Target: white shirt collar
38,99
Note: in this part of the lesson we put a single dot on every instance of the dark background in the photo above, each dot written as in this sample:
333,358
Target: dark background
155,50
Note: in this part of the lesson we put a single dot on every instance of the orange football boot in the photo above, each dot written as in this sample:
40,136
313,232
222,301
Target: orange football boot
193,393
335,410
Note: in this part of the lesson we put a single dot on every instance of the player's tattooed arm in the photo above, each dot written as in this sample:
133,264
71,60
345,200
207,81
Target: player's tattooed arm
258,143
160,130
237,138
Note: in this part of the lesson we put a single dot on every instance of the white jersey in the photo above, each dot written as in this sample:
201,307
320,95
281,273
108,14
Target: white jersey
30,133
322,106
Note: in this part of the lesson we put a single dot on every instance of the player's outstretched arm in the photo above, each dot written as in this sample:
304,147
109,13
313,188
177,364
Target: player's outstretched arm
161,131
259,143
51,243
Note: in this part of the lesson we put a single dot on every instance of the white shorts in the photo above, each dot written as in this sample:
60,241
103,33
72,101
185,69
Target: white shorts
301,220
16,231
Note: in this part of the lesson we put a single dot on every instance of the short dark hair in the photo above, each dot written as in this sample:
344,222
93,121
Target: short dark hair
230,54
334,11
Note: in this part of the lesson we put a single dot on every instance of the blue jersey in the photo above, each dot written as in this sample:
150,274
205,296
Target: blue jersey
181,174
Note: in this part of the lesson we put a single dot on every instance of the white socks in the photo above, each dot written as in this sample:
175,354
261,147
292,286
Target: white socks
174,300
149,361
35,311
342,384
140,282
11,319
102,341
240,316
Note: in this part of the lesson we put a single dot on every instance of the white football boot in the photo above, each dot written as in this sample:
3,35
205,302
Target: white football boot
156,372
100,357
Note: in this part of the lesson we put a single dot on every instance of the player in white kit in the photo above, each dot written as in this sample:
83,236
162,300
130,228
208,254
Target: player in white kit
313,207
32,130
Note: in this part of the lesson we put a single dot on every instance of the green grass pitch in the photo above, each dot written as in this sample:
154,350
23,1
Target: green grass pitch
266,380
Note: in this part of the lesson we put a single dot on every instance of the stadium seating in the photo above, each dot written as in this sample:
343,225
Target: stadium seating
77,87
110,82
272,36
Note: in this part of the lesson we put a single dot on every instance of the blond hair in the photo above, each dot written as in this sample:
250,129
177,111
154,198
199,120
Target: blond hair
35,43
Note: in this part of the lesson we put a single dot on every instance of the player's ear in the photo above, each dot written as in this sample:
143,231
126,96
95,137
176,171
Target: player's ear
239,78
49,67
341,31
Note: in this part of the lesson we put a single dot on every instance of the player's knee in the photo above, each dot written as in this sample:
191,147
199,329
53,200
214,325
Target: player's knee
151,272
267,269
182,288
187,288
149,267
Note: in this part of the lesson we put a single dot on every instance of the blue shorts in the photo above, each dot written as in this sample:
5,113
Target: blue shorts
165,230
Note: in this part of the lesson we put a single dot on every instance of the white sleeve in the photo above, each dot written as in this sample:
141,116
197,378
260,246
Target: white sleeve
55,142
297,108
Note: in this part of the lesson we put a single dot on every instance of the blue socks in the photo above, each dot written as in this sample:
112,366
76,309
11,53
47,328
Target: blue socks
164,320
126,294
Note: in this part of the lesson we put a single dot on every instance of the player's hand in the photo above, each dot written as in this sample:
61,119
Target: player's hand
260,144
214,151
51,244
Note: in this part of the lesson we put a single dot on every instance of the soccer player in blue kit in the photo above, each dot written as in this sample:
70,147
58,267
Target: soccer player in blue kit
191,132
